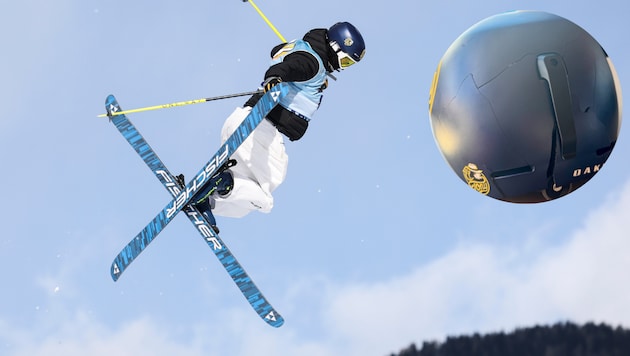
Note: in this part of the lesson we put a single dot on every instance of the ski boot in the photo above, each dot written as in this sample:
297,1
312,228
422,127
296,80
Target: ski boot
219,185
205,208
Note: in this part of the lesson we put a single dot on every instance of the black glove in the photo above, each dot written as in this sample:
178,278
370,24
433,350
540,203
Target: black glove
270,83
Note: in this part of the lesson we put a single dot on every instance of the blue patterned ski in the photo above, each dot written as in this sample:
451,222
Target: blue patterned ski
182,198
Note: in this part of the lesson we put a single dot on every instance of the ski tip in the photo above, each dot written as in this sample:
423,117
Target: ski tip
109,102
115,271
274,319
110,98
111,106
278,323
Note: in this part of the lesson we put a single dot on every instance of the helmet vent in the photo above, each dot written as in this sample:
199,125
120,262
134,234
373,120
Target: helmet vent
512,172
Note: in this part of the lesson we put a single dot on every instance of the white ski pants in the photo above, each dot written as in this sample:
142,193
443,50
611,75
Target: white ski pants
261,167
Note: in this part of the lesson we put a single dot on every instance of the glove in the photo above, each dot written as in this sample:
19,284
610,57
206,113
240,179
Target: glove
270,83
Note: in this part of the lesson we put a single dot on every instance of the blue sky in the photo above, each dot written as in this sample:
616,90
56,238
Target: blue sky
374,242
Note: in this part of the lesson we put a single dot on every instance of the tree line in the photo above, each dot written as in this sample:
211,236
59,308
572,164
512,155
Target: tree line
561,339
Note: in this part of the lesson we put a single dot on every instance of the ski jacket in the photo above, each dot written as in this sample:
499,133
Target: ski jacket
303,64
304,96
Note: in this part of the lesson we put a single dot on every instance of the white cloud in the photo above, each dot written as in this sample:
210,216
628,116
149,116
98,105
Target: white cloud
489,288
476,287
231,332
84,336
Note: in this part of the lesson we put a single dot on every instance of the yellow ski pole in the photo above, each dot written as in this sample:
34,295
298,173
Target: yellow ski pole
266,20
180,103
276,30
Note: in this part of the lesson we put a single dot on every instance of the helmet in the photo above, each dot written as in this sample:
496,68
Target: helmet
347,42
523,116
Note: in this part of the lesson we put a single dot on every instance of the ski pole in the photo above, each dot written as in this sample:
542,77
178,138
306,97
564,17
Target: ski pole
275,30
266,20
180,103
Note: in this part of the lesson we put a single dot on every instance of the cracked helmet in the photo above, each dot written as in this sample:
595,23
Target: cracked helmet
525,106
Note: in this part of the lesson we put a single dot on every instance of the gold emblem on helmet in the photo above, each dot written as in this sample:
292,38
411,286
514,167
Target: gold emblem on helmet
348,41
476,179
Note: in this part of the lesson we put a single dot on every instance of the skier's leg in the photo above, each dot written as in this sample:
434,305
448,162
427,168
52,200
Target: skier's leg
261,167
220,185
246,196
268,159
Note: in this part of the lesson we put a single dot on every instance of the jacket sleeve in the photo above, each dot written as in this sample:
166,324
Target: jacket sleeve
296,67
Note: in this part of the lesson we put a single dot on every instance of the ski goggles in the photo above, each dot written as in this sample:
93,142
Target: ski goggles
344,59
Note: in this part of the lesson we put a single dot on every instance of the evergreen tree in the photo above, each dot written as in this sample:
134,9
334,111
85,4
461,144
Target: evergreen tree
561,339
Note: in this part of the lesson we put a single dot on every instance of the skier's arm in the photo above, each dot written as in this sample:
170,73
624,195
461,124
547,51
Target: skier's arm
296,67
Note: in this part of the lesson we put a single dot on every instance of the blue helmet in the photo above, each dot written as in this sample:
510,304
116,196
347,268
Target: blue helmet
522,116
347,42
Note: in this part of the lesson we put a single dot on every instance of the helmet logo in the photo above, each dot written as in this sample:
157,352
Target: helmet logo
348,42
476,179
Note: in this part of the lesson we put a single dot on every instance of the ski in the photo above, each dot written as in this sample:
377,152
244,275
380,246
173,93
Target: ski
182,196
142,240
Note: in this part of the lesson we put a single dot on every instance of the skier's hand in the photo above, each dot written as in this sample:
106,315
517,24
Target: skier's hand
270,83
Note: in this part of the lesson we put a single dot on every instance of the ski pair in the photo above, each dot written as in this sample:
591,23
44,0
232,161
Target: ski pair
182,197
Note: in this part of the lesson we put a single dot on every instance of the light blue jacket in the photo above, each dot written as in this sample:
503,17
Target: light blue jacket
303,97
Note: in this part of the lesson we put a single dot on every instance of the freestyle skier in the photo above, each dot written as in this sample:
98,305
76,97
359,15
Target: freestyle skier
259,165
